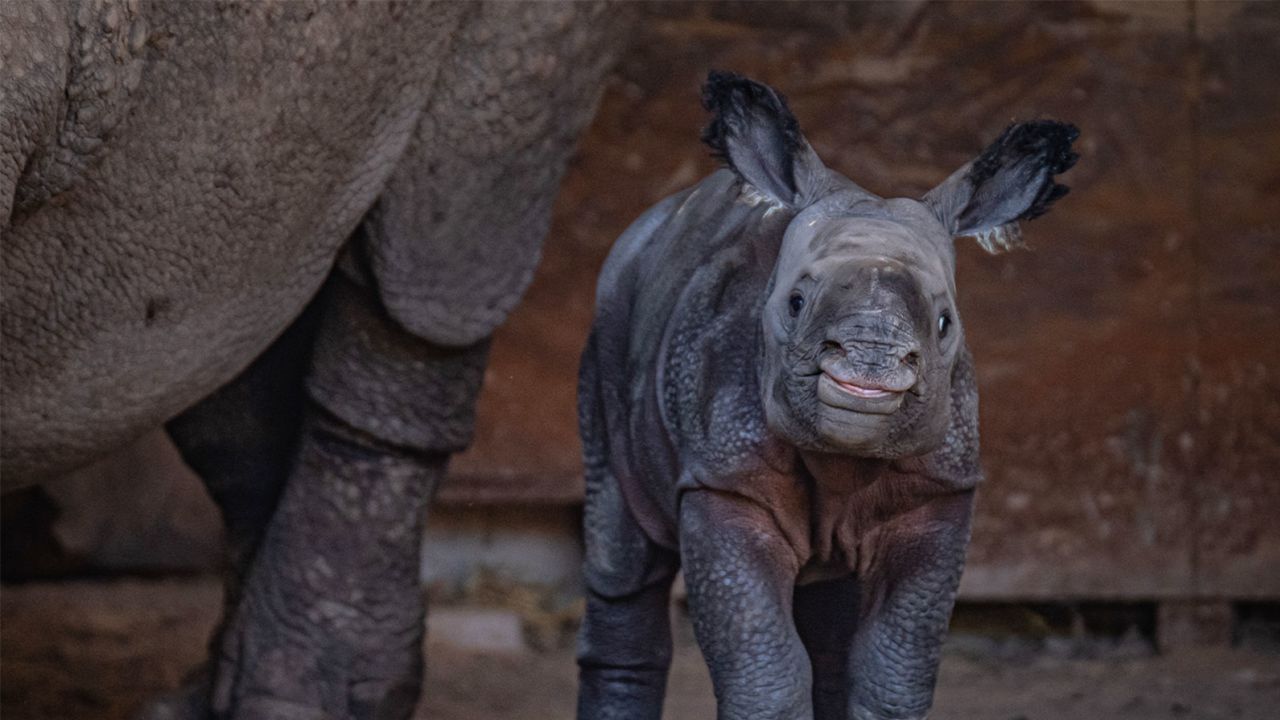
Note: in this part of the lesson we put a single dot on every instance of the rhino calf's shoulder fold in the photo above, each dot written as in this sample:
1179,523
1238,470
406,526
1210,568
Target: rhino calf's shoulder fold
777,398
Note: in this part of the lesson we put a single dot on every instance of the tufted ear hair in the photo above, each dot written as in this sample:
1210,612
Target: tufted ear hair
754,132
1011,180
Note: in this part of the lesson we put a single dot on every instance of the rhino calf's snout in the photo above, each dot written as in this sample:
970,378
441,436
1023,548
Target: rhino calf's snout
881,355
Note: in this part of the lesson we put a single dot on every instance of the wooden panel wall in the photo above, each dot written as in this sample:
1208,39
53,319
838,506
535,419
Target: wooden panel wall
1129,363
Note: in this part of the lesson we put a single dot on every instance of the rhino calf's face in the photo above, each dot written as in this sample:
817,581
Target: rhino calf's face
861,331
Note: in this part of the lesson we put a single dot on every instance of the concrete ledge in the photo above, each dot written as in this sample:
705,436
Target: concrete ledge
482,629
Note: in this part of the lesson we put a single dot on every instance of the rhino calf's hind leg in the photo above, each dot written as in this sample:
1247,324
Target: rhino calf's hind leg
625,654
624,645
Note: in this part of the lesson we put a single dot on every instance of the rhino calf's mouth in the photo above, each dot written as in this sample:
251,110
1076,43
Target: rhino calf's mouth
857,397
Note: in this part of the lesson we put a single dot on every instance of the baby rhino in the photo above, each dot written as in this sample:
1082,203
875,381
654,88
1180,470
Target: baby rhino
776,396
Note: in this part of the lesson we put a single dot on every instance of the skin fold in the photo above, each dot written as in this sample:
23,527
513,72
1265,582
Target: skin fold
776,397
287,230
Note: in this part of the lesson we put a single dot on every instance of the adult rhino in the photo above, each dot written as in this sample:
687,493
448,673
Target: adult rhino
178,181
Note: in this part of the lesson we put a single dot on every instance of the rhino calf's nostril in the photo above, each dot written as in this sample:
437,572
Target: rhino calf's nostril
912,359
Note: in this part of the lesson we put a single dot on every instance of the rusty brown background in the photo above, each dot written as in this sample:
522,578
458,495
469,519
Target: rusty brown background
1129,362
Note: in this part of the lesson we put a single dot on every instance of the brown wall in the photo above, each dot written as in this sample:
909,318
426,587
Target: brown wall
1129,363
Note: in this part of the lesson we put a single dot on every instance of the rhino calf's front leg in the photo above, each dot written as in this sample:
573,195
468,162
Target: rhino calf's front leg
740,573
907,595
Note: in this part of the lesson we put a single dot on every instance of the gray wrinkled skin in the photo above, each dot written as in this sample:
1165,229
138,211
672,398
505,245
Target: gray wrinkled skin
777,398
176,180
287,229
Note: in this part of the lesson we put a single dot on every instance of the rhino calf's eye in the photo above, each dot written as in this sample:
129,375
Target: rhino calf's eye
796,304
944,324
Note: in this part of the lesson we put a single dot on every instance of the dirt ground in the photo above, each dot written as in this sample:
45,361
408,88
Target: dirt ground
96,649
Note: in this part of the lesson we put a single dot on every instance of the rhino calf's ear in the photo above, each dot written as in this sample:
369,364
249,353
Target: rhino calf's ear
1011,180
753,130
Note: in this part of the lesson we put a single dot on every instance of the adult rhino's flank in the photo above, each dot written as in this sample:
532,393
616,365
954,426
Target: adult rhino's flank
178,181
777,397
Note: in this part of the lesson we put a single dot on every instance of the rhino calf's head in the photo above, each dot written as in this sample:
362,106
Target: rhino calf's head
860,327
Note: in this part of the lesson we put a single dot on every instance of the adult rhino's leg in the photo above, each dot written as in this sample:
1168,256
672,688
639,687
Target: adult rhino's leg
826,619
329,624
241,441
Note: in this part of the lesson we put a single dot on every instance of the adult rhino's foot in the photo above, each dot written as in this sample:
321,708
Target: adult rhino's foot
329,622
265,674
191,701
270,708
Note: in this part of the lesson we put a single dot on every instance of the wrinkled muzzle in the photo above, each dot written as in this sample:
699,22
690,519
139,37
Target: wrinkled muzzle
869,361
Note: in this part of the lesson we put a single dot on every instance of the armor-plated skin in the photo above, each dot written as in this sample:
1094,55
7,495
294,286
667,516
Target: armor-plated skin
777,398
288,230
